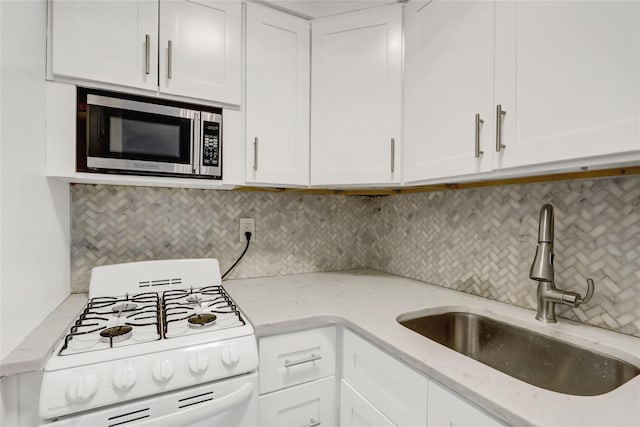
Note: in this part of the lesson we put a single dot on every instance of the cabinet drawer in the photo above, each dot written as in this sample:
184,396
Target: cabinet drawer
303,405
356,411
296,358
396,390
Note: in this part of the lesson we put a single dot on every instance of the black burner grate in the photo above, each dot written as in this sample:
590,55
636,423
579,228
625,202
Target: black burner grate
178,305
137,310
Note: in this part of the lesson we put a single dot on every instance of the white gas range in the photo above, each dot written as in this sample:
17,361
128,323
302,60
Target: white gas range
159,343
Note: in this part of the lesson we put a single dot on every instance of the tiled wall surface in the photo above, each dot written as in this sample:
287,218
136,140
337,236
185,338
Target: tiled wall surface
479,241
294,233
482,241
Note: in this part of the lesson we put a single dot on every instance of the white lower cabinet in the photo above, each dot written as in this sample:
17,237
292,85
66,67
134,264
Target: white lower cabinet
376,389
446,410
396,390
379,390
297,379
356,411
305,405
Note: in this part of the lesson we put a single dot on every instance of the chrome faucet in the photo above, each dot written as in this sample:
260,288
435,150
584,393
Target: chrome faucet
542,272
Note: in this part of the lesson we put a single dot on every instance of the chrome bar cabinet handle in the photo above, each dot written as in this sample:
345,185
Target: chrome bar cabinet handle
312,358
147,54
393,155
479,123
169,59
313,423
500,113
255,153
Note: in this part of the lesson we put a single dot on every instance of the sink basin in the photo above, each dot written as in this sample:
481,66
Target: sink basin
528,356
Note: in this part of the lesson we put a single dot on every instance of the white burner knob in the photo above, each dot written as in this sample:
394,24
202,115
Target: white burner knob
229,356
162,370
124,378
82,387
198,363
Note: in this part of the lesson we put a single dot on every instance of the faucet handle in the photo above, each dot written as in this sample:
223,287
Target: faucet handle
589,294
574,299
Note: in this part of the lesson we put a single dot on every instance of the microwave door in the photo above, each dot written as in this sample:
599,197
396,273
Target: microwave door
139,137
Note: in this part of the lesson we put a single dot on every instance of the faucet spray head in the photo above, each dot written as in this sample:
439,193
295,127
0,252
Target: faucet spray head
542,266
545,226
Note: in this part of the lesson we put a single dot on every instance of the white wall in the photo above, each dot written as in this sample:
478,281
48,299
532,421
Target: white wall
35,212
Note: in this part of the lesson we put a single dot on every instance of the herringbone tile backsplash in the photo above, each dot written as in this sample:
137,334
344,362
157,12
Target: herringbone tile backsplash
479,241
482,241
294,233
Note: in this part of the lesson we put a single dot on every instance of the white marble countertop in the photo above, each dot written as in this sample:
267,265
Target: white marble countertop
369,302
34,350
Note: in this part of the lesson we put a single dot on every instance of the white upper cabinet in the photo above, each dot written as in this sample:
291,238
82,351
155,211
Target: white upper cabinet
448,89
277,97
567,75
126,43
356,97
200,49
105,41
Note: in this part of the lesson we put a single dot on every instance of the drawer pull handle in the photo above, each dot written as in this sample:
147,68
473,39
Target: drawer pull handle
312,358
313,423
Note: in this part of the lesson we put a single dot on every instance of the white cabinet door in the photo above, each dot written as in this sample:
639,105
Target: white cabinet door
356,97
446,410
567,75
397,391
277,97
310,404
448,80
105,41
200,49
356,411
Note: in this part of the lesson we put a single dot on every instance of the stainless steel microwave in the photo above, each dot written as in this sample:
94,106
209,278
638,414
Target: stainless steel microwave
134,135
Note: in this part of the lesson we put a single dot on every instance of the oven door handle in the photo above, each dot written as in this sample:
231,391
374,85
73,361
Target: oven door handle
202,411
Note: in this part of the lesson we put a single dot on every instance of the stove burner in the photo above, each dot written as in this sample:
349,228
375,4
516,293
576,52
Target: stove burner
115,334
123,307
201,320
194,299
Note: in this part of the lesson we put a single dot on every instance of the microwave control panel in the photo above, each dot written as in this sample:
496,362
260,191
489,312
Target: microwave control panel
211,144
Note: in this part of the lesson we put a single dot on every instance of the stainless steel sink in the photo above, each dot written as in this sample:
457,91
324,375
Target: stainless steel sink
528,356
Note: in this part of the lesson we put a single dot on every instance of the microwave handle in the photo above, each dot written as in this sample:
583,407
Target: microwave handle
196,143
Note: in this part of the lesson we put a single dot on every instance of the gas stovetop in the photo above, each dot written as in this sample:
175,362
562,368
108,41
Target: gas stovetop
146,307
115,322
148,327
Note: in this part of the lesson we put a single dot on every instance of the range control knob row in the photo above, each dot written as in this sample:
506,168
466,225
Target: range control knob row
162,371
82,387
124,378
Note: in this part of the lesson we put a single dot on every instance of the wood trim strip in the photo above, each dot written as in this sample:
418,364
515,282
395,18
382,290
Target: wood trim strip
602,173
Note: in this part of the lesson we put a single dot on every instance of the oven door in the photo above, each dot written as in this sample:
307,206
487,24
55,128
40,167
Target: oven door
226,403
140,137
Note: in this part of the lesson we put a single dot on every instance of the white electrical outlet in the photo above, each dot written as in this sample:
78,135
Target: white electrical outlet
247,224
